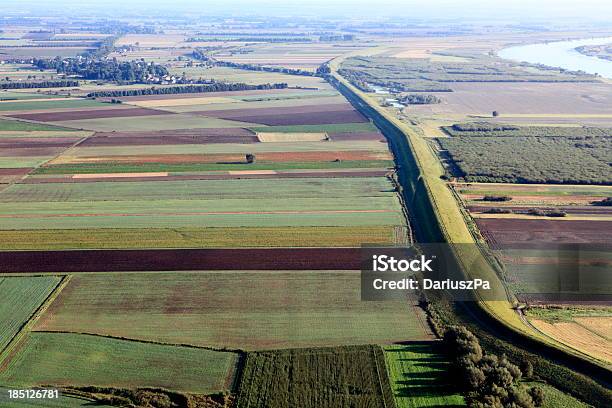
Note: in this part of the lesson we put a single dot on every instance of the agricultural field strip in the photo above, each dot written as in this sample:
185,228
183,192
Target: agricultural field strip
89,114
384,203
199,189
168,121
204,175
64,359
247,310
11,126
225,148
59,103
222,103
224,237
337,213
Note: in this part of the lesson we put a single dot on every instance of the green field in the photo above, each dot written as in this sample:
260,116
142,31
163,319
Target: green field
248,310
248,77
316,378
228,148
419,376
152,123
331,128
110,167
17,126
39,105
20,161
11,96
200,189
237,237
262,101
553,398
81,360
263,212
20,297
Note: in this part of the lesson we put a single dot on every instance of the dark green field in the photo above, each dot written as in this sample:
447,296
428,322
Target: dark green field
499,159
342,377
418,374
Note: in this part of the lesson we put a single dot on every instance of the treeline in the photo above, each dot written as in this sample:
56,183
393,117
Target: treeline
214,87
103,49
42,84
488,380
57,44
252,39
104,69
495,129
336,37
419,99
251,34
202,56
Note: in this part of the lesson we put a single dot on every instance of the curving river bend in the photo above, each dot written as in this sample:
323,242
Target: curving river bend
562,54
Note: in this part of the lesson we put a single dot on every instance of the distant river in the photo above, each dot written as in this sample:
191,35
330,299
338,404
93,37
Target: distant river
562,54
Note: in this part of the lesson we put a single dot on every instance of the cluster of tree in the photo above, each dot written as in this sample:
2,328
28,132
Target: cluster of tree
433,317
606,202
547,160
496,198
213,87
202,56
336,37
105,69
103,49
116,27
545,213
482,127
323,70
585,388
489,381
39,84
497,210
419,99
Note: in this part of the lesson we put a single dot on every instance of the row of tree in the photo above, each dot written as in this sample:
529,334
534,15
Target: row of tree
252,39
213,87
39,84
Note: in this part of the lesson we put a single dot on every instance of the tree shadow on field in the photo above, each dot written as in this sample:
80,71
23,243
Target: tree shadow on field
429,376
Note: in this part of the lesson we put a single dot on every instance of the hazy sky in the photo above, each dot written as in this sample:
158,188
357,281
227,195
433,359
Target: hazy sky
514,10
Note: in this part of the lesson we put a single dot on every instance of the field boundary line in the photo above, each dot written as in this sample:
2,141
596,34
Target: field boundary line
159,343
12,347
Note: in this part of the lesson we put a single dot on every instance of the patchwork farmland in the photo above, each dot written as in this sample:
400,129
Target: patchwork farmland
194,173
292,181
183,205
